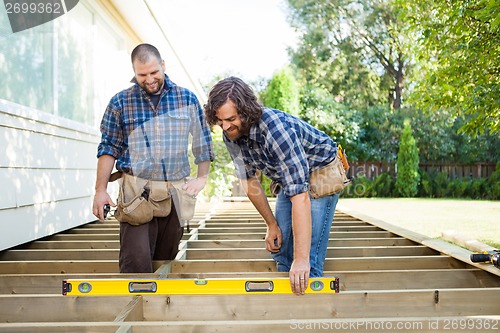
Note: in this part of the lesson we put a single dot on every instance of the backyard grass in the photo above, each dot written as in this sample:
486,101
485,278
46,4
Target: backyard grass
476,219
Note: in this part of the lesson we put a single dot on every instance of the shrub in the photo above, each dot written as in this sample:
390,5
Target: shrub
407,177
383,185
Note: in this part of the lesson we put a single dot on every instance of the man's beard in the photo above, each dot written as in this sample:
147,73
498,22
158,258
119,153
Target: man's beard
240,131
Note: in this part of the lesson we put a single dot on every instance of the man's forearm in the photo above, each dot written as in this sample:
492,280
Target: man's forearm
257,196
301,225
203,169
105,164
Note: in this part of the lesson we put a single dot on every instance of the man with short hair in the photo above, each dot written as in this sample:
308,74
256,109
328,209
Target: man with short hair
145,130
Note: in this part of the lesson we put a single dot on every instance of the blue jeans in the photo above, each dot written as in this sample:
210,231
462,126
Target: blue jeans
322,211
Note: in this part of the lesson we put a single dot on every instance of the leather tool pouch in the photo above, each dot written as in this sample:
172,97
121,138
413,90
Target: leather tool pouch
139,200
185,203
330,179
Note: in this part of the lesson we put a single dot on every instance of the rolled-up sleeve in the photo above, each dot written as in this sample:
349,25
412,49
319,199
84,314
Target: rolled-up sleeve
202,147
292,165
112,141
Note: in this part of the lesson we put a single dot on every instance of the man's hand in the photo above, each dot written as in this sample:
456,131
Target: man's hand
299,275
273,238
101,198
194,186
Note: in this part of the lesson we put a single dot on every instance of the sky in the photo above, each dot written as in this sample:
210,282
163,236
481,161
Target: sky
248,38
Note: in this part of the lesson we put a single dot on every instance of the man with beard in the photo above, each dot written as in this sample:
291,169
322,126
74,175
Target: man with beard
145,130
285,149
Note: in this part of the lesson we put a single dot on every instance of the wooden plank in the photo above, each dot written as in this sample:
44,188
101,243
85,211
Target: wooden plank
89,231
65,266
337,264
332,252
74,244
350,281
371,304
263,229
60,266
383,280
438,245
402,324
51,308
84,237
245,243
260,235
60,254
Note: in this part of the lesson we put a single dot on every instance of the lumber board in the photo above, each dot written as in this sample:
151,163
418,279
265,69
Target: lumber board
202,234
337,264
387,275
439,245
372,304
349,281
74,244
60,254
263,229
85,237
473,324
245,243
376,304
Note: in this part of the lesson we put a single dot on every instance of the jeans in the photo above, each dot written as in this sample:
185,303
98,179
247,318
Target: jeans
322,211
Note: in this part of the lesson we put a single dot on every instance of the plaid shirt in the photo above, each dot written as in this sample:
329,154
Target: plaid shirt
285,148
152,142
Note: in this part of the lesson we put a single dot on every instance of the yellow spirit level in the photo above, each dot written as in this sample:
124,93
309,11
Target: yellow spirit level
215,286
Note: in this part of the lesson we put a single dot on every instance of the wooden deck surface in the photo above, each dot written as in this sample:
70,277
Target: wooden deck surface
391,280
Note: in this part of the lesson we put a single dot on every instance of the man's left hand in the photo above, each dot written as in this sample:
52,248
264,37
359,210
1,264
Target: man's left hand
299,276
194,186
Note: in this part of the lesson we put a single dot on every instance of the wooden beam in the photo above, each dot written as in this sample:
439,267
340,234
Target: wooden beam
245,243
60,254
371,304
332,252
337,264
74,244
406,324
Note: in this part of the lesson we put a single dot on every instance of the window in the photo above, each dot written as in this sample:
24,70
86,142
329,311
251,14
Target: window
69,67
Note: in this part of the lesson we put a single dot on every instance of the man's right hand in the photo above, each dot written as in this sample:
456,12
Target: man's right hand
273,238
100,199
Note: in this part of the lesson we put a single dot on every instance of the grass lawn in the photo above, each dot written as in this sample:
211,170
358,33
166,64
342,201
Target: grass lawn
476,219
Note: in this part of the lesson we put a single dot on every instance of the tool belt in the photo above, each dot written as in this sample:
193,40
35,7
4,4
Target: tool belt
139,200
330,179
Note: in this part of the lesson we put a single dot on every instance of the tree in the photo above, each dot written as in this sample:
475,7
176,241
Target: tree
353,48
282,92
458,52
407,176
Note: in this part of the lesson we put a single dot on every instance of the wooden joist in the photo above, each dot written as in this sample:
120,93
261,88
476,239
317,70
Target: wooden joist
388,276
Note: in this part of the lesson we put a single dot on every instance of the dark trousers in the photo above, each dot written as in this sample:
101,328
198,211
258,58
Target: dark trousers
156,240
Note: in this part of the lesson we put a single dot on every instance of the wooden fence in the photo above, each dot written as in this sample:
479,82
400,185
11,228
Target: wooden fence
371,169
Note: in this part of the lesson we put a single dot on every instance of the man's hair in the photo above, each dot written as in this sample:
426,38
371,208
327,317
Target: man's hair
143,53
235,90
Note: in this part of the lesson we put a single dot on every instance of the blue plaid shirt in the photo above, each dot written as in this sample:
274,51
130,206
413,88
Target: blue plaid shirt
152,142
285,148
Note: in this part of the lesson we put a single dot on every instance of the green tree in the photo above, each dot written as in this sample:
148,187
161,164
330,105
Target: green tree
282,92
458,54
320,109
353,48
407,176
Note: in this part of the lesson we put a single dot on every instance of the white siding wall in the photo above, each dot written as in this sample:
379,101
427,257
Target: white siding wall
48,163
47,174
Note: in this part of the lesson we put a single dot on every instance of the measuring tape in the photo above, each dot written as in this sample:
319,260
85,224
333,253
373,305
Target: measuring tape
215,286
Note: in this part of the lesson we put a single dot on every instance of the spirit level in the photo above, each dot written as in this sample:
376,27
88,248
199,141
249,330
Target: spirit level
215,286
